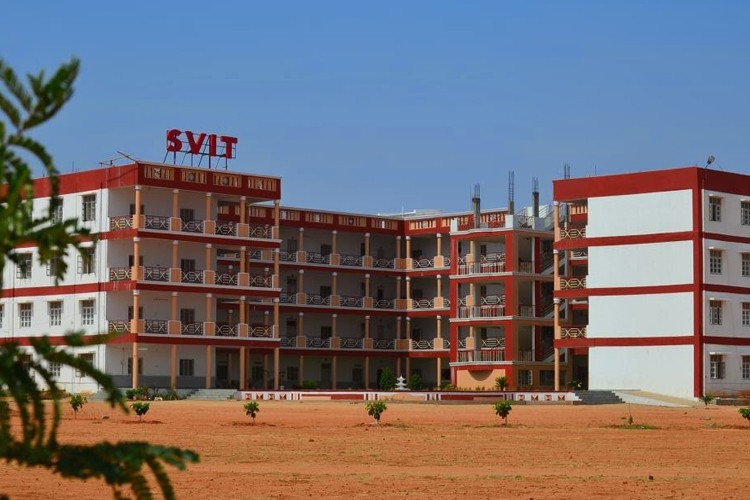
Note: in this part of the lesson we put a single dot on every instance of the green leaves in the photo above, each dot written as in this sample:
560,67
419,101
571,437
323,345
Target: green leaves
375,409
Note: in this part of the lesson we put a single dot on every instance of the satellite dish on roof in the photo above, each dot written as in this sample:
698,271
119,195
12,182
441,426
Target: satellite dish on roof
710,160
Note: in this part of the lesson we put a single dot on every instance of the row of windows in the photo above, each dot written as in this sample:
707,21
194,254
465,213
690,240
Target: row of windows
718,367
716,312
86,264
54,313
715,210
186,367
716,262
88,209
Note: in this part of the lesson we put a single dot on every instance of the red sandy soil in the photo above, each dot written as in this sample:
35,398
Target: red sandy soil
326,449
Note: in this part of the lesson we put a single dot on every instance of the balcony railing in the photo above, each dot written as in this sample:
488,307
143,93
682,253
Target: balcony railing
192,226
261,281
573,333
226,228
288,342
572,283
120,273
317,343
572,233
351,301
120,222
351,260
288,298
192,277
156,222
285,256
423,303
261,331
155,326
384,263
151,273
118,326
525,355
422,345
492,343
191,328
481,356
317,258
385,344
423,263
495,311
261,232
255,255
526,267
226,279
227,330
351,342
384,304
313,299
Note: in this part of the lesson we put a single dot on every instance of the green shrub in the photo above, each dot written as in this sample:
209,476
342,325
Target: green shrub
140,408
707,398
309,384
375,409
252,408
387,380
502,409
170,395
745,412
415,382
501,382
76,402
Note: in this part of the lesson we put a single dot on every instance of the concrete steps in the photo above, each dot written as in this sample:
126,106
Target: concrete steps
212,394
598,397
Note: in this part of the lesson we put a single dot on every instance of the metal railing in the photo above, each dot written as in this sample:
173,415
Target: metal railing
191,328
227,330
314,299
255,255
261,331
193,277
261,281
525,355
288,342
260,232
351,260
156,222
317,343
423,263
120,273
317,258
226,279
120,222
285,256
495,311
118,326
226,228
351,342
572,233
384,263
155,326
385,344
572,283
481,356
423,303
351,301
573,333
151,273
384,304
287,298
192,226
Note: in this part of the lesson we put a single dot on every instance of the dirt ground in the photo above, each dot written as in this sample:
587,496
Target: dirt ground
429,450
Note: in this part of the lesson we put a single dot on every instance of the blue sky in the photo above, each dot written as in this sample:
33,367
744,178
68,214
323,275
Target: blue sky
389,106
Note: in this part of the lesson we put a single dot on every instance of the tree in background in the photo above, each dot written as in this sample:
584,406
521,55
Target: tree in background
34,443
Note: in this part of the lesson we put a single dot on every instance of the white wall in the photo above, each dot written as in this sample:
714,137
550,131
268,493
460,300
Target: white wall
653,315
661,369
648,264
649,213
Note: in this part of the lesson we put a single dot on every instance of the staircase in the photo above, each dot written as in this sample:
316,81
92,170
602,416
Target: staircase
212,395
598,397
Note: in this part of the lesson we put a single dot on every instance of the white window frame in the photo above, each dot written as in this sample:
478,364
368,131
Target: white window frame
746,314
24,268
745,213
715,259
25,314
87,260
717,367
55,369
745,259
57,214
745,368
90,357
55,313
714,208
88,207
88,311
715,312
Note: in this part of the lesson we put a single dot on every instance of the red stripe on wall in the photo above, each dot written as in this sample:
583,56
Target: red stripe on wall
625,342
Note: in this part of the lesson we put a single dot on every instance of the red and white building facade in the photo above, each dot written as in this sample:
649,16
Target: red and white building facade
205,280
652,282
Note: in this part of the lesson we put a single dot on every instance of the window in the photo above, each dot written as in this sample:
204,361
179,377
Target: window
86,260
53,266
524,377
745,367
547,378
89,208
140,365
746,265
55,313
357,375
745,213
746,314
23,271
57,212
714,261
292,373
54,369
187,316
25,312
187,367
256,372
718,366
714,209
714,312
87,312
2,314
88,357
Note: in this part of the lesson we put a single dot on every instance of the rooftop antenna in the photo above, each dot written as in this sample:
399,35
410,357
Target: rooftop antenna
127,156
535,196
710,160
475,205
566,171
511,194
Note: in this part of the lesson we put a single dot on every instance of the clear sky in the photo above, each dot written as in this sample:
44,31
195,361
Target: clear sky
389,106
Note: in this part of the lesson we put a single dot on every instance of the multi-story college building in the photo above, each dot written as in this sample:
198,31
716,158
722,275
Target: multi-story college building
209,282
653,284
